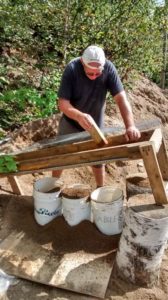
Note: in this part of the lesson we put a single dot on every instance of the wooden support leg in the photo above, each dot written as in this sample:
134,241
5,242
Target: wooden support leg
15,185
163,160
154,173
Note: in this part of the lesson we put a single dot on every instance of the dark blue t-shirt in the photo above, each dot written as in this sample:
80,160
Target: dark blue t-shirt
89,95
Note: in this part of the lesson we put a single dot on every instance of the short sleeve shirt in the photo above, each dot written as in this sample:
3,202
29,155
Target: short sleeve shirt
88,95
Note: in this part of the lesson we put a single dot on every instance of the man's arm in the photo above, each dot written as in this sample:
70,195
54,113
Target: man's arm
132,132
84,120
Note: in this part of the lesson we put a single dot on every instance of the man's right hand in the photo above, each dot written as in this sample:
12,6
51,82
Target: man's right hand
85,121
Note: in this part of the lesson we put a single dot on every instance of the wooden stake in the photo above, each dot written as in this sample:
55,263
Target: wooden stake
15,185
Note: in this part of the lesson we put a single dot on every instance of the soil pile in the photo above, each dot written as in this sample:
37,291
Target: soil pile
76,191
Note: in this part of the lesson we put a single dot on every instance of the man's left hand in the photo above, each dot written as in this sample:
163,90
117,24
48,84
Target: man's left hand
132,134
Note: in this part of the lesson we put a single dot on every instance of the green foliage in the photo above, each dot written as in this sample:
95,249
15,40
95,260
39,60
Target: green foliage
2,133
7,164
26,104
59,30
38,37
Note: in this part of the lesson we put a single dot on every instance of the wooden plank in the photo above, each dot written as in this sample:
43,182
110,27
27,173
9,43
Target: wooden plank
70,166
145,125
97,134
81,157
57,254
77,147
15,185
156,138
92,157
163,160
160,148
154,173
77,272
165,182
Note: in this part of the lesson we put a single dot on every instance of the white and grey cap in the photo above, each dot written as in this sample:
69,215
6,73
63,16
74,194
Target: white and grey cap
94,54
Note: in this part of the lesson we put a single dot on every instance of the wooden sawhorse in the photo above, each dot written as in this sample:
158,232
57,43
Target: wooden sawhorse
150,148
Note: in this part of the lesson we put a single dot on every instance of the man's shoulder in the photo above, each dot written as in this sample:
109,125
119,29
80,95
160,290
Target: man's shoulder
109,66
74,63
73,67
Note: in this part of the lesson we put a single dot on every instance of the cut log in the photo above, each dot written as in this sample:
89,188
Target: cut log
137,184
143,241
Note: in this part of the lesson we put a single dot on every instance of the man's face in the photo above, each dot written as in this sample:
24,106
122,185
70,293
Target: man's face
94,72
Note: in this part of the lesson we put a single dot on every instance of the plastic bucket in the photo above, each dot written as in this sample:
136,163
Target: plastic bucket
107,209
76,210
47,204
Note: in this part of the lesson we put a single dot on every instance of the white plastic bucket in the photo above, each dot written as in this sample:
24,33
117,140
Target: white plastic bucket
107,209
76,210
47,206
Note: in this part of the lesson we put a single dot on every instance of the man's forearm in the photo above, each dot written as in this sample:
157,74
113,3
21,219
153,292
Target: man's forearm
84,120
125,109
68,109
132,133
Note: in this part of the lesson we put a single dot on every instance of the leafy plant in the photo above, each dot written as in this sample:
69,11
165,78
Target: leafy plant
7,164
26,104
39,37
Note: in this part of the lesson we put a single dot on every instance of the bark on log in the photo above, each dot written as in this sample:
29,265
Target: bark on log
143,241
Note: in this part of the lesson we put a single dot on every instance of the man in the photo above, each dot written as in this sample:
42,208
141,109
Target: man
82,94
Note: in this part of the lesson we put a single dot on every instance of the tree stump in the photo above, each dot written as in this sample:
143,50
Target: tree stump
143,241
137,184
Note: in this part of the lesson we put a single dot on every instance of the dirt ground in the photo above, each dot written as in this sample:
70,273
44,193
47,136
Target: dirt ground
148,101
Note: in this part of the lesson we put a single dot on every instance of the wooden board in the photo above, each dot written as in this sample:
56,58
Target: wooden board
154,174
71,155
156,138
68,139
77,258
16,188
51,149
97,135
122,152
163,160
90,157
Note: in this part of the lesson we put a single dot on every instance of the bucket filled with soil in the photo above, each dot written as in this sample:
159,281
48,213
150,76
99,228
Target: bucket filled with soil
107,209
76,204
143,241
47,200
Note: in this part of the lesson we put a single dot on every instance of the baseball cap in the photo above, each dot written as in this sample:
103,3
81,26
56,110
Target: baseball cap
93,54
